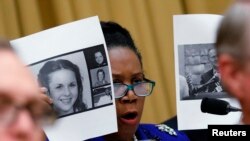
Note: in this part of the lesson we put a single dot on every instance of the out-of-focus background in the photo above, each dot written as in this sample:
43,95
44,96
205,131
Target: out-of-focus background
149,21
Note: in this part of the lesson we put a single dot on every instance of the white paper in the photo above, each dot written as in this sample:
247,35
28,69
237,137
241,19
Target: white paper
76,42
192,33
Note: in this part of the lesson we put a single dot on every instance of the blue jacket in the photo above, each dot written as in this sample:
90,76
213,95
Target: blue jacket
159,132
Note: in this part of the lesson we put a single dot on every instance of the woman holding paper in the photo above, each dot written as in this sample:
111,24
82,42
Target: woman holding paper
63,81
131,88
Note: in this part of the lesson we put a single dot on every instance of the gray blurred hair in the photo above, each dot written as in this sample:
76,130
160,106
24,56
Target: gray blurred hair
232,32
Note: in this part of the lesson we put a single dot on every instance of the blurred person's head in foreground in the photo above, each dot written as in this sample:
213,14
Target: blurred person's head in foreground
21,107
233,50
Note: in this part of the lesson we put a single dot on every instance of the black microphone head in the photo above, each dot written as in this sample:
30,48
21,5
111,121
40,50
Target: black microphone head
214,106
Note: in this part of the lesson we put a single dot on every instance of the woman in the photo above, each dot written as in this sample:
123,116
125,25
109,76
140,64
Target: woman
62,78
131,87
100,75
99,58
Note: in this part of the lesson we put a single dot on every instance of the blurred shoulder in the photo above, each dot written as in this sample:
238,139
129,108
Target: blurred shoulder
159,132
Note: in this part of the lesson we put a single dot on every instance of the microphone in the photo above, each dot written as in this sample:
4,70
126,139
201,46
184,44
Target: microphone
216,106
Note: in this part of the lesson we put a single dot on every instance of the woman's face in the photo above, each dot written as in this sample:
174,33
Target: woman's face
63,90
99,57
126,69
100,76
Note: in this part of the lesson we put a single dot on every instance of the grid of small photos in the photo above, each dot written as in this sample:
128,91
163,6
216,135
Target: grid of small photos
99,75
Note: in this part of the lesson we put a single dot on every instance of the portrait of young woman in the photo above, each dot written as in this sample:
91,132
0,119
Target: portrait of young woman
62,79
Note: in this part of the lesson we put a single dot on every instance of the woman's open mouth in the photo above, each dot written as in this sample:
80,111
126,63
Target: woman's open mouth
130,118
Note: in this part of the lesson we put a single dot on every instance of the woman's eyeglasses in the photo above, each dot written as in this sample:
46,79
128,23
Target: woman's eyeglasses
143,88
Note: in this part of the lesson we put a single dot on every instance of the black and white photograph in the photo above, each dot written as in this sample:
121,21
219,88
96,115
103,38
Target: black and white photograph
58,60
97,54
63,76
198,73
100,76
102,96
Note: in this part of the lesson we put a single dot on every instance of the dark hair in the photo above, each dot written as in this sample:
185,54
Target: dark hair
117,36
107,92
52,66
99,52
97,72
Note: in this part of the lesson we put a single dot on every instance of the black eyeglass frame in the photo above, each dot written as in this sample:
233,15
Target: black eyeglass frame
131,87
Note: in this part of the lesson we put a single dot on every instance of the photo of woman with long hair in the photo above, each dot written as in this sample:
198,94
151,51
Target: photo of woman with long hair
63,81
